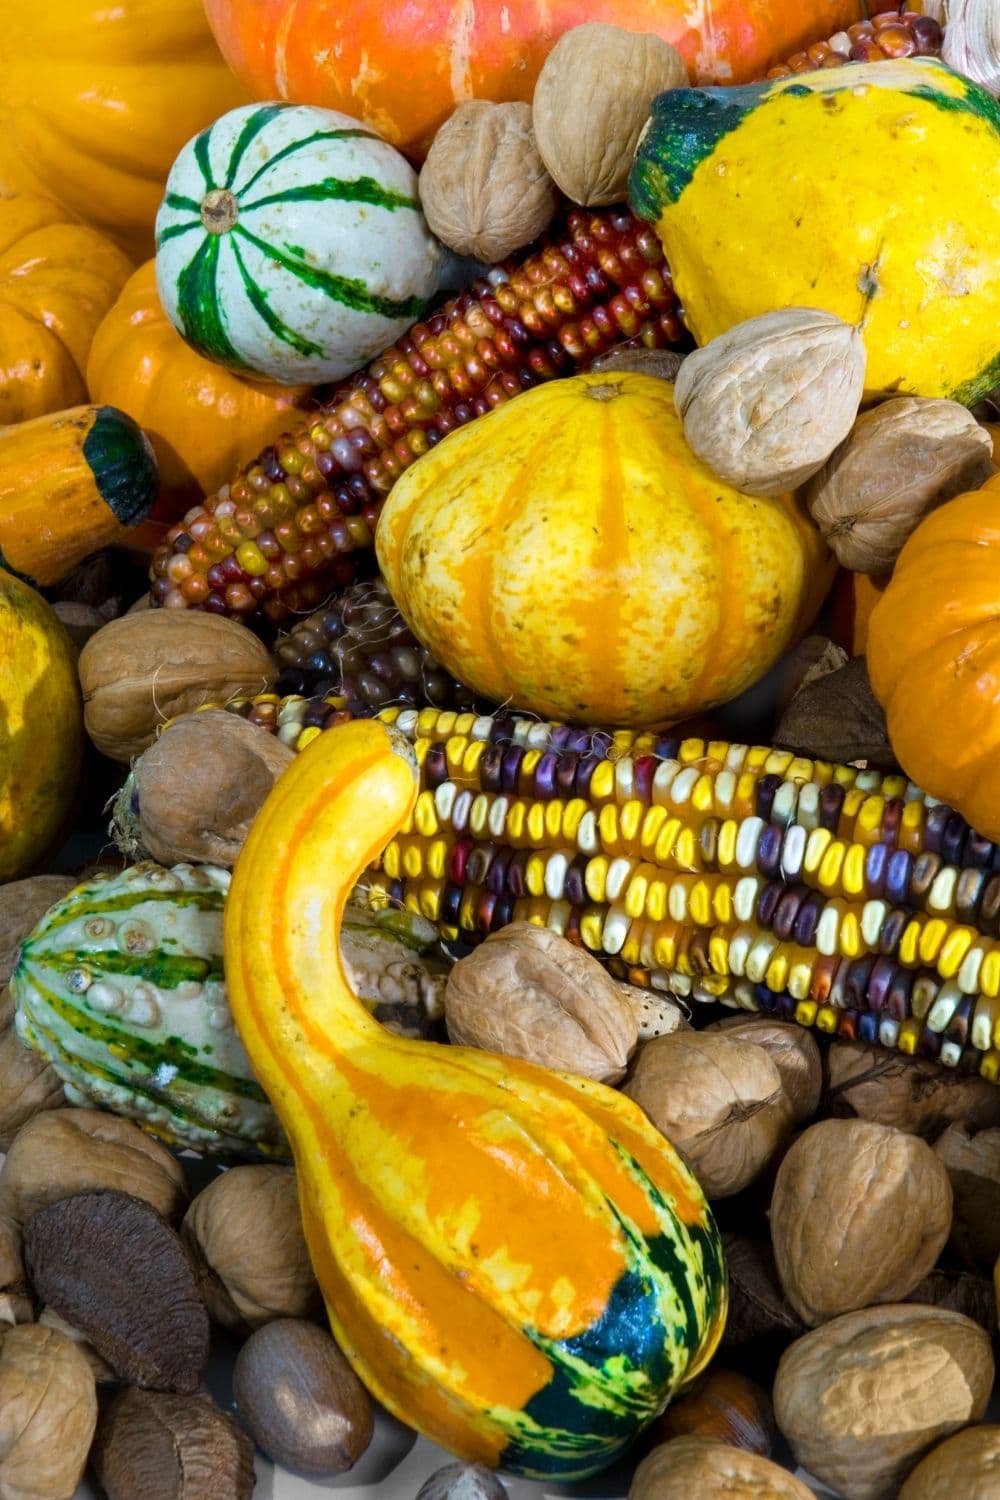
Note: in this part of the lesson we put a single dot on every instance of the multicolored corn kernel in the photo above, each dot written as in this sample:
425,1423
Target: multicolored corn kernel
895,33
298,523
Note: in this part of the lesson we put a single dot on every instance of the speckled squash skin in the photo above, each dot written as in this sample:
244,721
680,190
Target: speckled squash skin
120,986
41,726
570,555
514,1260
766,197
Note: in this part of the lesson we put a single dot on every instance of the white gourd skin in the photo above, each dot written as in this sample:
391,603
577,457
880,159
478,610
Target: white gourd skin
290,243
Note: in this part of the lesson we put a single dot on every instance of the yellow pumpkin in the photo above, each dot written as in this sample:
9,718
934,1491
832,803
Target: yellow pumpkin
201,418
41,726
569,554
96,101
57,280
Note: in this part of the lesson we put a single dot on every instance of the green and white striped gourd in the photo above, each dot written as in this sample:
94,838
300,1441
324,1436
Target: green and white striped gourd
121,987
290,243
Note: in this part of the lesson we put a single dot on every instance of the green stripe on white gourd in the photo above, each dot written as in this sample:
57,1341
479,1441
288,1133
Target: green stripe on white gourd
121,987
290,243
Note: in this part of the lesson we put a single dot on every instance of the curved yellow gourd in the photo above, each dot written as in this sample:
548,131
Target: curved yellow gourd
515,1261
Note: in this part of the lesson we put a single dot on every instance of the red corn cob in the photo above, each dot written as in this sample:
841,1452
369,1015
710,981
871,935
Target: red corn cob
299,520
895,33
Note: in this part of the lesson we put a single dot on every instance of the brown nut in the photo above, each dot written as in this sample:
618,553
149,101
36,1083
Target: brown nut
226,767
663,364
793,1051
859,1215
912,1093
972,1161
961,1292
592,99
899,461
863,1398
461,1481
114,1269
758,1307
718,1101
22,904
724,1405
702,1467
153,1445
765,404
300,1400
837,718
245,1231
28,1083
48,1412
65,1151
484,189
963,1467
527,992
17,1303
141,670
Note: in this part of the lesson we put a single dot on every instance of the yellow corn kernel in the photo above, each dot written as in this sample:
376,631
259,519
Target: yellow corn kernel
931,938
690,751
777,970
851,945
630,820
853,874
805,1012
467,908
514,824
608,829
722,902
534,874
686,855
602,783
746,795
868,823
817,843
800,978
725,855
909,1035
596,876
665,946
436,857
572,812
989,974
656,899
552,818
911,827
677,898
653,820
429,902
703,795
953,950
718,953
828,874
391,862
425,818
479,815
306,737
827,1018
592,928
635,895
989,1067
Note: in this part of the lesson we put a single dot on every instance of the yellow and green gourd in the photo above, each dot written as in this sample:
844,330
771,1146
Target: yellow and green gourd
514,1260
872,192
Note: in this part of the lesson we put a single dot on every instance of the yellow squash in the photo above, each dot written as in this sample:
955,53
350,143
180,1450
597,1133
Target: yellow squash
41,726
568,553
515,1261
871,191
96,100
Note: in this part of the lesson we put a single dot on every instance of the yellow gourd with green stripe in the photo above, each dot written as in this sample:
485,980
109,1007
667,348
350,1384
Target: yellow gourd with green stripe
514,1260
872,192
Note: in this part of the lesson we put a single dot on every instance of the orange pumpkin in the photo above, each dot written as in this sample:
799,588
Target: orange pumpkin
201,418
57,280
934,656
96,100
601,576
353,57
852,600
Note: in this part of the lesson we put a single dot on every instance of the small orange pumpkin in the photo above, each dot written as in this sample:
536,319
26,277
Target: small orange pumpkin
57,280
569,554
852,600
934,656
201,418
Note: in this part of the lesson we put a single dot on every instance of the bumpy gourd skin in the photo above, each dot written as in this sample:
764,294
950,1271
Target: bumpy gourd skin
41,726
514,1261
872,192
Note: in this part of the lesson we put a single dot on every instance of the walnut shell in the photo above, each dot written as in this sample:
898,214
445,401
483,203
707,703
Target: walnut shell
972,1161
912,1093
143,669
793,1051
711,1470
22,904
17,1301
874,1227
591,102
965,1465
28,1082
765,404
198,788
719,1101
899,461
245,1231
49,1406
863,1398
67,1151
527,992
484,189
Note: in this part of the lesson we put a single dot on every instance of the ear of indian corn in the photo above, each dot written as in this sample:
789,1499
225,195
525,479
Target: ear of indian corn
832,895
300,518
895,33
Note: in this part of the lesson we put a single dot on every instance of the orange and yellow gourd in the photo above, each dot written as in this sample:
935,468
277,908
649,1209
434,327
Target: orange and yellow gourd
515,1261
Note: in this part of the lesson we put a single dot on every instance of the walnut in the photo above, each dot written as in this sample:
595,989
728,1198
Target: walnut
143,669
527,992
192,796
900,460
759,1311
972,1161
912,1093
65,1151
711,1470
859,1215
28,1082
49,1406
592,100
483,188
22,904
719,1102
863,1398
793,1051
765,404
965,1465
245,1231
